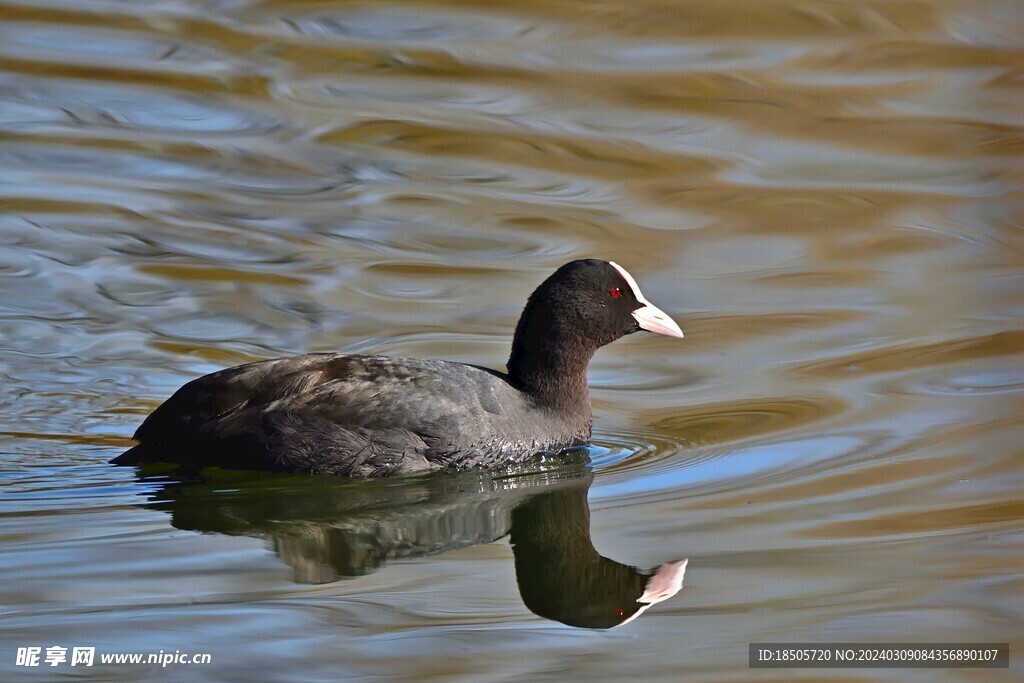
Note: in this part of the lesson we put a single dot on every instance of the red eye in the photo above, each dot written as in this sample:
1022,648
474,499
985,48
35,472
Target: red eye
616,292
619,612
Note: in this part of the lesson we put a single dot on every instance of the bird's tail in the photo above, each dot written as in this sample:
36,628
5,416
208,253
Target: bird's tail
132,456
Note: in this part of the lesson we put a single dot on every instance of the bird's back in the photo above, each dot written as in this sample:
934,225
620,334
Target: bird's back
351,414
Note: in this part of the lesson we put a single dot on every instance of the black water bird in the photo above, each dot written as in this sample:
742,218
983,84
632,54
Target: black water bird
372,416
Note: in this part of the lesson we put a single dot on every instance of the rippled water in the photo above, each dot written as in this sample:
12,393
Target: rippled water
827,196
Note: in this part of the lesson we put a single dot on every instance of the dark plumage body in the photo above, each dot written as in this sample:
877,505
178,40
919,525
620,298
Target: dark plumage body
370,416
355,415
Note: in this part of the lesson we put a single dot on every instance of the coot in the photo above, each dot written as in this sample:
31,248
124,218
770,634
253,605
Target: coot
372,416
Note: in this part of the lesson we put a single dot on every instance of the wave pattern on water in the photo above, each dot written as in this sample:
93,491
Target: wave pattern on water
826,195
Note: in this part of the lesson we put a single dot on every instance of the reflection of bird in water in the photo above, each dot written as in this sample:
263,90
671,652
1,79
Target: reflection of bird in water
326,529
562,576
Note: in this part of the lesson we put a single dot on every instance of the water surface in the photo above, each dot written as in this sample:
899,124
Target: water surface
826,196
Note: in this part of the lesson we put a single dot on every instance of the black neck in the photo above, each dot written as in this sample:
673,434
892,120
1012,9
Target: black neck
549,362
